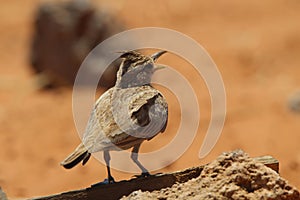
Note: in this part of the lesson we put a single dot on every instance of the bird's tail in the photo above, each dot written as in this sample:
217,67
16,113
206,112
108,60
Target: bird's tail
80,154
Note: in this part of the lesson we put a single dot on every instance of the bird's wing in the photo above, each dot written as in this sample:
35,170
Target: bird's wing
125,117
138,112
149,112
141,97
100,125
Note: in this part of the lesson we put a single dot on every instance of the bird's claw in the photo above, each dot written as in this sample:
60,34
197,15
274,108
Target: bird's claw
106,181
109,180
143,175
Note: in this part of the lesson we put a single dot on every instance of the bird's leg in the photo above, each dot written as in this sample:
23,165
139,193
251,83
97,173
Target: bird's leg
134,157
110,179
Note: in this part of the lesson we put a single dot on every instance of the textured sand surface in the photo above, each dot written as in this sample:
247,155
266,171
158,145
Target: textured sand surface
232,175
255,44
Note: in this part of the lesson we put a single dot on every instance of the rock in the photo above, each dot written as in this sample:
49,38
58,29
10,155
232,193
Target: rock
232,175
64,33
2,195
294,102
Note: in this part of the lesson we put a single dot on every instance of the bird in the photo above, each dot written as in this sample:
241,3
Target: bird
126,115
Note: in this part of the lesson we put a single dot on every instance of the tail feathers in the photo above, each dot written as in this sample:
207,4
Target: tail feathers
80,154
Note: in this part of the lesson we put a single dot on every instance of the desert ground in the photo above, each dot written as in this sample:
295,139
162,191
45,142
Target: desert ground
254,44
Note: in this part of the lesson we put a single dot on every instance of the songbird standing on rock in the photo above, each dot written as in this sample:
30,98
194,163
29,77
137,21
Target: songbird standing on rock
126,115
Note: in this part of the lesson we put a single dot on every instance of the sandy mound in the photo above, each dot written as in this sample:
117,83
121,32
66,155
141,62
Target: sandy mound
232,175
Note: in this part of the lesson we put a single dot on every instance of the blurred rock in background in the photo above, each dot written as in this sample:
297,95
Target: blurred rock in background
64,34
294,102
2,195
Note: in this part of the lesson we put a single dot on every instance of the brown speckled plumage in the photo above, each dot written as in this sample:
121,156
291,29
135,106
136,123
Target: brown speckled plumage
125,115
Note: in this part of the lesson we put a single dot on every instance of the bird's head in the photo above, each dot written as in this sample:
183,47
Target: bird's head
137,69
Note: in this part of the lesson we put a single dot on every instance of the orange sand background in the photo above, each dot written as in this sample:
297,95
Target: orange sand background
254,44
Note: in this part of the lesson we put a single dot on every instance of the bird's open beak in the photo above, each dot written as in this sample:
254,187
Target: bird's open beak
158,67
157,55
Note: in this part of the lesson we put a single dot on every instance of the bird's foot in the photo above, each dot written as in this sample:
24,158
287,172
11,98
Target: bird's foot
106,181
109,180
143,175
